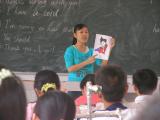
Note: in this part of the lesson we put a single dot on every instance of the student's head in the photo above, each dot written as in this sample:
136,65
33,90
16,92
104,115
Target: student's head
46,80
113,81
55,105
145,81
88,77
12,97
103,42
80,33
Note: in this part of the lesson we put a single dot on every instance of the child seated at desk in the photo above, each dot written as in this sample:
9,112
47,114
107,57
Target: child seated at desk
45,80
81,102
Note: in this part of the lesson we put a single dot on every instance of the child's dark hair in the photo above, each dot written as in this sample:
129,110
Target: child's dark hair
12,97
76,28
113,81
88,77
145,80
55,105
46,77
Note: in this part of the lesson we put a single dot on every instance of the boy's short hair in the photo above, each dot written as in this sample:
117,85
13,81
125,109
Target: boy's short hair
113,81
145,80
88,77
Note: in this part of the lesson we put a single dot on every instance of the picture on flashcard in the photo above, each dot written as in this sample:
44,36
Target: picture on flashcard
102,46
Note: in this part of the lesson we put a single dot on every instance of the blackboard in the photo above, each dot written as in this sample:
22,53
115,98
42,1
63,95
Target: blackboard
35,33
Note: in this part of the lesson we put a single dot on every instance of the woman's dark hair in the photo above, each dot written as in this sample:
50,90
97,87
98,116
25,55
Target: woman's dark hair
76,28
12,99
55,105
46,76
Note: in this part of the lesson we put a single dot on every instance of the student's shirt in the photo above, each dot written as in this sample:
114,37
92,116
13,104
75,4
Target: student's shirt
30,109
134,107
73,56
139,101
82,100
111,108
142,99
114,106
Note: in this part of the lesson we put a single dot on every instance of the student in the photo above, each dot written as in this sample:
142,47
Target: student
54,105
78,57
45,80
150,111
114,86
82,100
12,96
145,83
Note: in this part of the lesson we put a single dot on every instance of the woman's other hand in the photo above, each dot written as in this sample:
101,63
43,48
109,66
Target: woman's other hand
113,42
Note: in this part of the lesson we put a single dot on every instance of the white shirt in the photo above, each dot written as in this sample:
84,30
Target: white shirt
136,106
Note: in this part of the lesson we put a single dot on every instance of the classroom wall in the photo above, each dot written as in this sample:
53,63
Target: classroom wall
28,79
35,33
29,76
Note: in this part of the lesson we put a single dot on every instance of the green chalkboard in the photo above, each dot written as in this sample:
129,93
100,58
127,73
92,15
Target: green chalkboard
35,33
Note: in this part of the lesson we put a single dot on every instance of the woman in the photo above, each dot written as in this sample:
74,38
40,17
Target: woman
78,57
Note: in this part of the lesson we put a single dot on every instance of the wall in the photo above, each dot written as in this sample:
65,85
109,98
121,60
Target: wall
35,33
28,79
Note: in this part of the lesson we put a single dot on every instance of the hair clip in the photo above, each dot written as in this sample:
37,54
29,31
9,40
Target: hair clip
46,86
4,73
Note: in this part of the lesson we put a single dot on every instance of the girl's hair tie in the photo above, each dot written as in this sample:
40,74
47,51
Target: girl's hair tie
47,86
4,73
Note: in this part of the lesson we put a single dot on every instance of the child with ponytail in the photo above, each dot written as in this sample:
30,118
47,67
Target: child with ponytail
45,80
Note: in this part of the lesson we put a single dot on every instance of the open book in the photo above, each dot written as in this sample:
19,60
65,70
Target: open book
102,46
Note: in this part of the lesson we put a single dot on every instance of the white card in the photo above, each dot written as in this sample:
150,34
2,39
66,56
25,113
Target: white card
102,46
